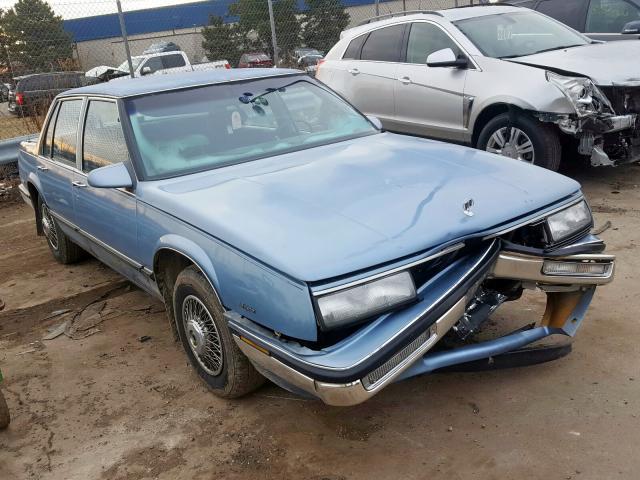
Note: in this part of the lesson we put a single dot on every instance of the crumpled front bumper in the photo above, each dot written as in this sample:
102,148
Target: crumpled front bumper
330,376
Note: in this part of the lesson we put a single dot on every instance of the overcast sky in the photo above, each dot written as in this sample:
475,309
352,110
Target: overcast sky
79,8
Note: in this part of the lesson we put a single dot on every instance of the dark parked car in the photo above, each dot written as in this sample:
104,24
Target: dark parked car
599,19
34,93
255,60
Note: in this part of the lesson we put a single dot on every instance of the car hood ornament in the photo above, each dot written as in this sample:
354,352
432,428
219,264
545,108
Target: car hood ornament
467,206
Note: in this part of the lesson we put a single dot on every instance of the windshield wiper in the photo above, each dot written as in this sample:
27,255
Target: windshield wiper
561,47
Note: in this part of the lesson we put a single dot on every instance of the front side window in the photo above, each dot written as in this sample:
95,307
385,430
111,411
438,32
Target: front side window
103,138
383,45
426,38
153,64
65,133
510,35
173,61
610,16
187,131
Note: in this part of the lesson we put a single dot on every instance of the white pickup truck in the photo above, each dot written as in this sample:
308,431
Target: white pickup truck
154,64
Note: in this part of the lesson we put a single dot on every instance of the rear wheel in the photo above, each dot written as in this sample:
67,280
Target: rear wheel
207,340
62,248
522,138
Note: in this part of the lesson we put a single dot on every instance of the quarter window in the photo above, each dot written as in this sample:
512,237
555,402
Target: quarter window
48,136
383,45
103,138
610,16
65,133
353,50
426,38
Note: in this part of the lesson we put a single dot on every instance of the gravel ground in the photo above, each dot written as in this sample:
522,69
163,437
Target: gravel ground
109,406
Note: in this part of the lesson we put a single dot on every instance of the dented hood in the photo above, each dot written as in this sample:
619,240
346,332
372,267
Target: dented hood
605,63
331,210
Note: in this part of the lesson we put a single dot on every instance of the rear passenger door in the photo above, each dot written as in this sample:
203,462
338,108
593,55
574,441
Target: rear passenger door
57,159
429,100
106,215
370,75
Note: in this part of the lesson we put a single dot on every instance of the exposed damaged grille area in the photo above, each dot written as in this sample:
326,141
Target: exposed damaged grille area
624,99
383,370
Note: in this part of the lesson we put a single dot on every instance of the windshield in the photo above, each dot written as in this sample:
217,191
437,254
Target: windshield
135,61
509,35
186,131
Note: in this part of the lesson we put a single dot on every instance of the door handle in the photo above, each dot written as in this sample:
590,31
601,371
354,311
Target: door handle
354,71
79,184
405,80
42,169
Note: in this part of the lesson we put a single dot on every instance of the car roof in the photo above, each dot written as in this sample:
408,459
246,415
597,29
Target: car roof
128,87
451,14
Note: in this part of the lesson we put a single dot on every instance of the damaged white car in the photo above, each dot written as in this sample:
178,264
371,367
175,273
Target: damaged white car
503,79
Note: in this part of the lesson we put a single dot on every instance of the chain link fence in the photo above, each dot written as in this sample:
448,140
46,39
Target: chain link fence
47,47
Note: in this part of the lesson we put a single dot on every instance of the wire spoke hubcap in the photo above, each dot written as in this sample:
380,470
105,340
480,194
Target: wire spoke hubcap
513,143
202,335
48,227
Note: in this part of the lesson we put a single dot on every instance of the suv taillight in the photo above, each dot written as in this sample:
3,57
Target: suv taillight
227,66
19,98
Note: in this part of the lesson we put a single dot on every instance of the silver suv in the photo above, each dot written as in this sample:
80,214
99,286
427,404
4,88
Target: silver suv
503,79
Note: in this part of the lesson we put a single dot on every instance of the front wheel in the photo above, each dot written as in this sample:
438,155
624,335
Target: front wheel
207,340
522,138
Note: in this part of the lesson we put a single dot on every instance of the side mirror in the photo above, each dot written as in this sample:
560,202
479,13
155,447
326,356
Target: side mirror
446,58
145,71
631,28
376,121
111,176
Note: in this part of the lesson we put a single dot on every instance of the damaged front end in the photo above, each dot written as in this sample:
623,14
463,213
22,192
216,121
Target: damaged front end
458,289
605,120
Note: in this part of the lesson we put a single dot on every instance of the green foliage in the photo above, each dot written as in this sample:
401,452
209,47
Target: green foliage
222,41
254,23
323,21
35,36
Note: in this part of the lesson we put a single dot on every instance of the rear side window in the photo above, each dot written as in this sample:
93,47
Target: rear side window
353,50
173,61
48,136
569,12
426,38
383,45
65,133
103,138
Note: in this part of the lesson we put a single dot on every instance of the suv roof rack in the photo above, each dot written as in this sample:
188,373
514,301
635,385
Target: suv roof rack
400,14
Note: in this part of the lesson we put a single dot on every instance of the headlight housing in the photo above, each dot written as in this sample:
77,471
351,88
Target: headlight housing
569,221
351,305
585,97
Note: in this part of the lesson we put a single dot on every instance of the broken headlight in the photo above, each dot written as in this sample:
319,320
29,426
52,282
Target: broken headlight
352,305
585,97
569,221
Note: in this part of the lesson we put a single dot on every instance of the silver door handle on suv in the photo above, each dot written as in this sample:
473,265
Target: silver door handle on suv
405,80
354,71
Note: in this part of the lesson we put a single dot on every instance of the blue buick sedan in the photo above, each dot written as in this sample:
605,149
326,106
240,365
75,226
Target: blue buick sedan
291,239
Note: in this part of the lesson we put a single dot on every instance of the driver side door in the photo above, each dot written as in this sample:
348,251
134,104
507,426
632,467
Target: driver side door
429,101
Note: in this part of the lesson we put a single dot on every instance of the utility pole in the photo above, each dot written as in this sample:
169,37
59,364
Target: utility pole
123,30
274,41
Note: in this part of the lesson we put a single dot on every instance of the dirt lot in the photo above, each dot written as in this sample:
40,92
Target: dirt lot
111,407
